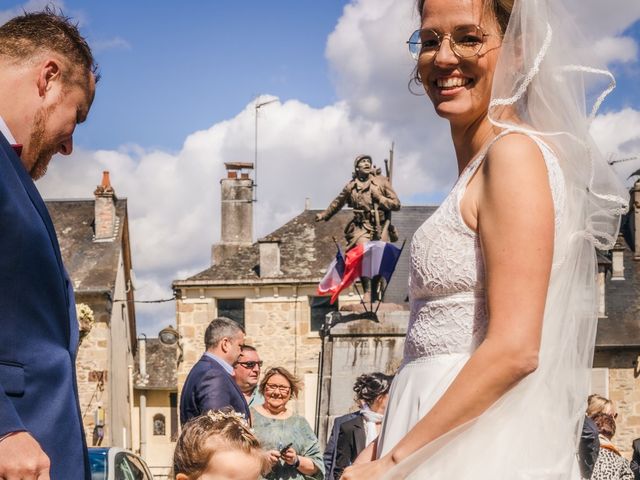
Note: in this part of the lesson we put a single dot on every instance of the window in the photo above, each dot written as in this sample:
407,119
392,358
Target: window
232,308
158,424
320,307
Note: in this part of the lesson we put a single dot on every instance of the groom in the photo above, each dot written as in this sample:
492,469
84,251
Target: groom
47,84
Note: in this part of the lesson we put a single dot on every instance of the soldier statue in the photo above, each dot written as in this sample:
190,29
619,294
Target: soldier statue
372,199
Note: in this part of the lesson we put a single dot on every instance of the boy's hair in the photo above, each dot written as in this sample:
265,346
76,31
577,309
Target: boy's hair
207,434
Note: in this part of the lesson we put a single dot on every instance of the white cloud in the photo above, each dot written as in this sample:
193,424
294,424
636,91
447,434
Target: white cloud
616,49
110,44
618,136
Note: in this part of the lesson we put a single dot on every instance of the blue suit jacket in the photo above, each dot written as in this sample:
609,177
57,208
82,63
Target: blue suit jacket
210,387
38,326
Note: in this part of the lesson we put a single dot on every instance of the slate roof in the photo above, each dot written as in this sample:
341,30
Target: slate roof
91,265
161,366
621,326
306,249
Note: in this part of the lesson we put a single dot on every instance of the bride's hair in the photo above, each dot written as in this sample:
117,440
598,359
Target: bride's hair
499,9
370,386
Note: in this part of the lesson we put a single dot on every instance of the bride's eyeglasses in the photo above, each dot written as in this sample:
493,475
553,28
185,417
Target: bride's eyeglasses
466,41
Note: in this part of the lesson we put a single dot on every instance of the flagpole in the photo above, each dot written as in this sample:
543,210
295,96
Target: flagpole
387,284
354,283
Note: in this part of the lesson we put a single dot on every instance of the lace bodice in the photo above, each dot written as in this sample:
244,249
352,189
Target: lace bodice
446,280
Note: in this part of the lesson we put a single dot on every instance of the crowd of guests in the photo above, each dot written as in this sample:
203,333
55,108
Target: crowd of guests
600,458
238,423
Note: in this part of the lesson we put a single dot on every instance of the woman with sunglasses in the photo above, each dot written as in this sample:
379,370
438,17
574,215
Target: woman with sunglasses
292,447
502,285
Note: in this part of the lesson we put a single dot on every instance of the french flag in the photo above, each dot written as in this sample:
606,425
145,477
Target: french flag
333,277
368,260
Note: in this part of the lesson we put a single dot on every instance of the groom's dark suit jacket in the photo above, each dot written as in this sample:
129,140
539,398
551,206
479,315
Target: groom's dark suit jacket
210,387
38,326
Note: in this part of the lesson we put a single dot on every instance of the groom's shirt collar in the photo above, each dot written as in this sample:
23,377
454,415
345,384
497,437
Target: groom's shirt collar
4,129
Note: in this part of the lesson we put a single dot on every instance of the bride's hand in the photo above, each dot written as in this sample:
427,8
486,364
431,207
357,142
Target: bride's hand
368,471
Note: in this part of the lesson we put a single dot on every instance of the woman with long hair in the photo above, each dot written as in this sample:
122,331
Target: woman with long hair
502,285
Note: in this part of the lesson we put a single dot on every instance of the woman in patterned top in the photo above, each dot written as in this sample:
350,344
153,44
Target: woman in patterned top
610,464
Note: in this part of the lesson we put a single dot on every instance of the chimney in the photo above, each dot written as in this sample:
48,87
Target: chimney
236,220
105,221
269,257
617,259
635,195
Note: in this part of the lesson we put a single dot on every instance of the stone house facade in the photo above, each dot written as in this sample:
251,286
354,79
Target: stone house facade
94,241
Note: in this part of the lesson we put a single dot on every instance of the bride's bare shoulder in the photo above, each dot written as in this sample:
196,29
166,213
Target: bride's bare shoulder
515,159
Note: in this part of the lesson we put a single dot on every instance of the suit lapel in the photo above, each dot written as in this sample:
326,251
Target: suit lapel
36,199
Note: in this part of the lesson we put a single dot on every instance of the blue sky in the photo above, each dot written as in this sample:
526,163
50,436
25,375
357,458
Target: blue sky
177,95
170,68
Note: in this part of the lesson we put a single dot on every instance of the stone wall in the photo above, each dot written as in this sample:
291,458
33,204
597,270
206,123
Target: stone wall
92,368
624,390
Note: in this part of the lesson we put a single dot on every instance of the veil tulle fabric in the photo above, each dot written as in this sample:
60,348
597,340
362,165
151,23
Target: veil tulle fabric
540,88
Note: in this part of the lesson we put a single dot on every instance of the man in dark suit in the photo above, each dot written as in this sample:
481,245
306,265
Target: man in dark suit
210,384
352,439
330,452
47,84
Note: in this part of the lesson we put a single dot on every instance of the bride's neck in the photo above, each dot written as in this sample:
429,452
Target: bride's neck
469,139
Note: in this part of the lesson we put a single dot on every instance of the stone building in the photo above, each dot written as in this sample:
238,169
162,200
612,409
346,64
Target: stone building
155,404
94,241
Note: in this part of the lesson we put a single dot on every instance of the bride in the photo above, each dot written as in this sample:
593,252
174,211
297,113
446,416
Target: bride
502,286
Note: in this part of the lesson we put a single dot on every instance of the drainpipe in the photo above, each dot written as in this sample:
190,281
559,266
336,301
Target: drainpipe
143,397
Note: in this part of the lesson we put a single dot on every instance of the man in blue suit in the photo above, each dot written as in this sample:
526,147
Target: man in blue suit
47,84
210,384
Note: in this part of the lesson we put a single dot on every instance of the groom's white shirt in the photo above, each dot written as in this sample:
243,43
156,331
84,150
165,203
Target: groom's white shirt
6,132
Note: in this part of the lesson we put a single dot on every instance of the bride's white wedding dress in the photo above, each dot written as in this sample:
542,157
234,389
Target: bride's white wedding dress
448,321
532,431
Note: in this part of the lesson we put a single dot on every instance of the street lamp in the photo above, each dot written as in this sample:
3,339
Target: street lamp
255,151
171,336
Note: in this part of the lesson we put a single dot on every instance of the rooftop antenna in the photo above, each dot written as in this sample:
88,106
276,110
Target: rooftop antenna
258,106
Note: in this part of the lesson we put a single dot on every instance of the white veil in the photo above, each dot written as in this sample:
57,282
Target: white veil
543,76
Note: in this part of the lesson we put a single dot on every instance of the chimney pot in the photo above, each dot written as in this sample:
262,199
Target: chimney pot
236,219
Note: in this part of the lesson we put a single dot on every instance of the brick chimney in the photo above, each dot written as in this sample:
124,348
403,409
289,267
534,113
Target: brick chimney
105,222
236,220
269,257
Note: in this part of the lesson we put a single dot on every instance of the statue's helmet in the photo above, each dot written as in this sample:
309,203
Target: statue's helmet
359,158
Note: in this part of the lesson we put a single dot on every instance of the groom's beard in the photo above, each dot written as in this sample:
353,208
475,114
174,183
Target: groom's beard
40,148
